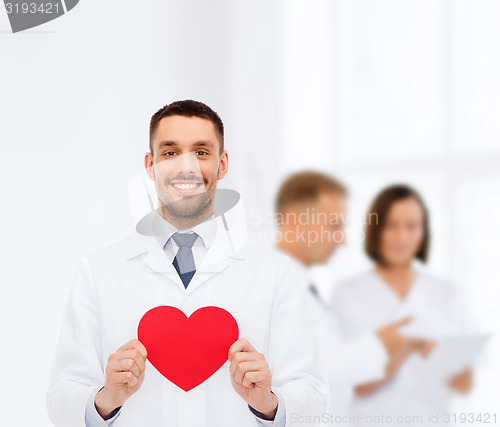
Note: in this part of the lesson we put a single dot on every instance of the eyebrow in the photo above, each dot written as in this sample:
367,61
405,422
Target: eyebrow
195,144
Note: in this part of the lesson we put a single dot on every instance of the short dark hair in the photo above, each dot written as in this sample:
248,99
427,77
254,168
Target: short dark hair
380,208
187,108
306,186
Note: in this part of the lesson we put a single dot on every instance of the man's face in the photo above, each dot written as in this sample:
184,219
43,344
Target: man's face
327,221
185,165
320,223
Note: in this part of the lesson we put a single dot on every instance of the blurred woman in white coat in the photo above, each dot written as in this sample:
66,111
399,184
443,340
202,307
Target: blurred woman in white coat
397,234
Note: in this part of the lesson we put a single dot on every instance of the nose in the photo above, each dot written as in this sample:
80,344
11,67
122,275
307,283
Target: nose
187,163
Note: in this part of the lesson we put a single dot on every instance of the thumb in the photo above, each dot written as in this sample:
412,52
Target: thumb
403,322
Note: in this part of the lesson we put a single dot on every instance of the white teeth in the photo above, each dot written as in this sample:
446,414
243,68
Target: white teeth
185,186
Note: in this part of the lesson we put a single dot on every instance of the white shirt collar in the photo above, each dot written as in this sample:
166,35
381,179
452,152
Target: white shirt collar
303,272
163,230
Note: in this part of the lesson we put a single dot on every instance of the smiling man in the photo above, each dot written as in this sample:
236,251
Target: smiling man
101,374
190,159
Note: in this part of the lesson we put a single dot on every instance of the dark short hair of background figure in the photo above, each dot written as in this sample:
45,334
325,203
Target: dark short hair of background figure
306,186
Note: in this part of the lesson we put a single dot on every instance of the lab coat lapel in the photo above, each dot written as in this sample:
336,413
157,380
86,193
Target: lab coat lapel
151,254
217,258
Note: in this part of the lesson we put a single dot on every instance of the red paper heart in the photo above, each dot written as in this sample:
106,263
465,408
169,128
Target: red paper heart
187,351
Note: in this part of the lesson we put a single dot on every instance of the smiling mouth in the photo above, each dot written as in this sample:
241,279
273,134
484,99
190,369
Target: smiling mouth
186,187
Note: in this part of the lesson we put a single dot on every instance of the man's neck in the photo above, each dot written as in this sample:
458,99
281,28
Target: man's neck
293,251
185,223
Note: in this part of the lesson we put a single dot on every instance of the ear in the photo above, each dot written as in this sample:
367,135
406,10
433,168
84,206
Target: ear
148,165
223,165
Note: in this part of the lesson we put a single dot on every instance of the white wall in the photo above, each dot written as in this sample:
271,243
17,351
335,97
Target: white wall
76,96
390,91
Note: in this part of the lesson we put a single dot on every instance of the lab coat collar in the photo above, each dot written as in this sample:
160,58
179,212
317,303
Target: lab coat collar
207,230
306,279
150,249
303,272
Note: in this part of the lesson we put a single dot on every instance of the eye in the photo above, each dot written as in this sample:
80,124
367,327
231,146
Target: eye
169,153
203,153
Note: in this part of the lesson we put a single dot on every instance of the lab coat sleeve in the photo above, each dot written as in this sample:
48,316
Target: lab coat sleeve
76,371
279,418
93,418
357,361
293,351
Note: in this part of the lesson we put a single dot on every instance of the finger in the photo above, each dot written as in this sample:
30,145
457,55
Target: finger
254,377
125,378
421,343
431,345
402,322
135,344
241,357
462,376
125,365
133,354
240,345
244,367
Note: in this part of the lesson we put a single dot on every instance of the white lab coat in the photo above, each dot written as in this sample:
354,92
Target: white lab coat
345,362
366,303
114,287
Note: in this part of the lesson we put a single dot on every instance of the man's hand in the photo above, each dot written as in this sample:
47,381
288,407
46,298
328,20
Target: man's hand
251,378
462,382
124,376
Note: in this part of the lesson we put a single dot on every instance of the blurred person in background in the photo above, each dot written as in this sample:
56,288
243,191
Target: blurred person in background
397,234
310,212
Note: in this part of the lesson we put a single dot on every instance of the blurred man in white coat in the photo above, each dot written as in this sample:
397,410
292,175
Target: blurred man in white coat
310,213
101,374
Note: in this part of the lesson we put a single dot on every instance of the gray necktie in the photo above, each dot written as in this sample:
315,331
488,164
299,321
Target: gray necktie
184,261
314,290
